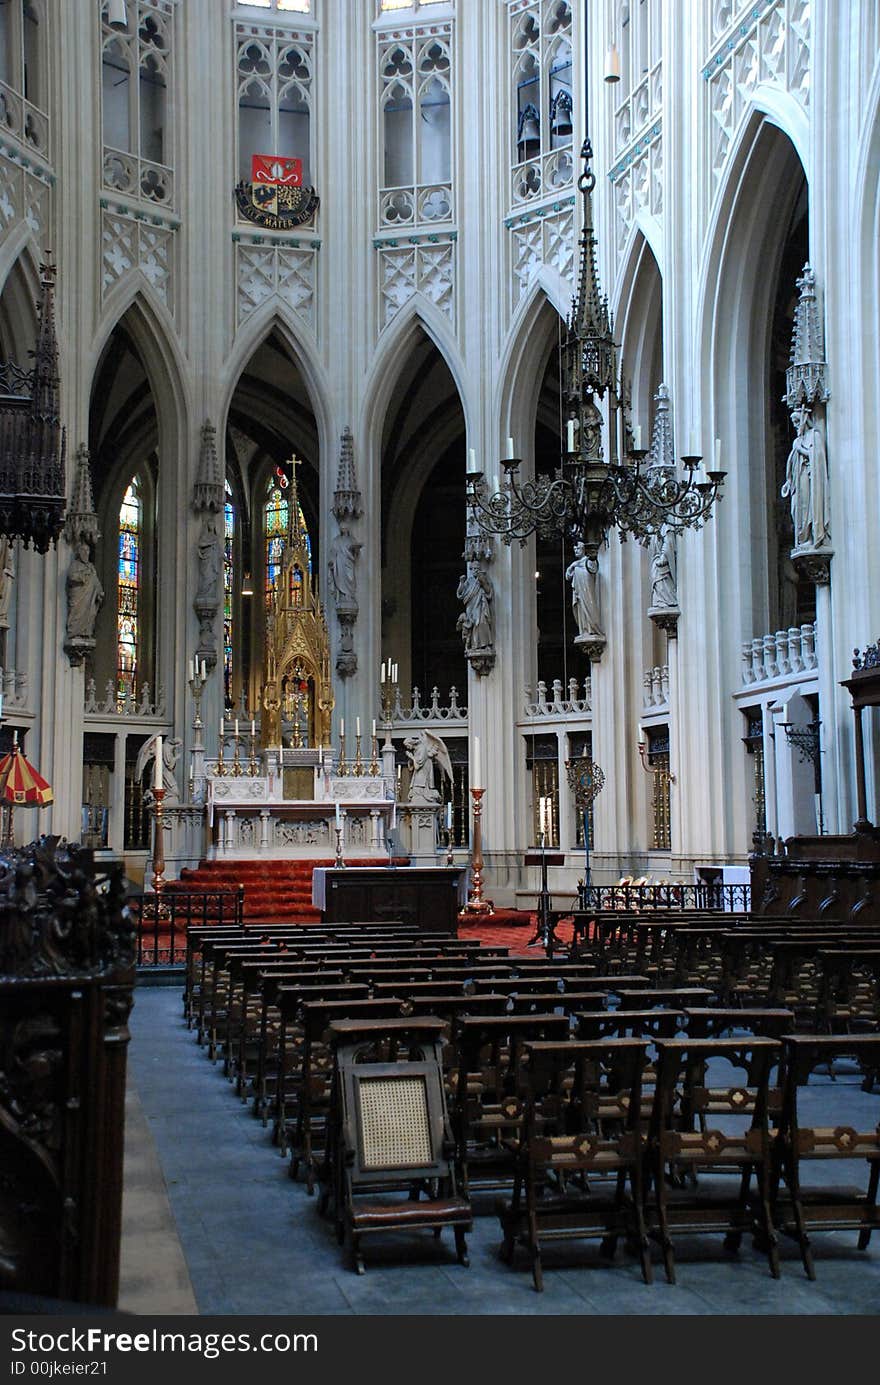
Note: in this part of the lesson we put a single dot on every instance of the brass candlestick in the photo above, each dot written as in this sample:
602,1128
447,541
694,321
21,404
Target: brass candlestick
342,766
476,903
358,762
449,857
374,756
236,762
220,769
252,760
339,860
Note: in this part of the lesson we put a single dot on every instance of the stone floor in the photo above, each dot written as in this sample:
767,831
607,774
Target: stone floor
248,1240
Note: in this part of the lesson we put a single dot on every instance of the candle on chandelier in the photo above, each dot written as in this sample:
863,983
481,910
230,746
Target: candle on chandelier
342,728
641,732
382,674
569,433
472,459
253,728
693,445
476,784
157,765
373,733
717,454
236,728
192,671
394,673
510,451
204,675
222,728
637,437
357,726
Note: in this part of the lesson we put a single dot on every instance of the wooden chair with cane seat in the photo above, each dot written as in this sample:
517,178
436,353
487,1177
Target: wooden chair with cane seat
392,1140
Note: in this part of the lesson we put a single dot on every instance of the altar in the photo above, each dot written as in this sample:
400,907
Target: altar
254,814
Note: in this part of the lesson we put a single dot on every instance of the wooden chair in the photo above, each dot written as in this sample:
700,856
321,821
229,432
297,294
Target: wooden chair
393,1140
827,1208
581,1128
683,1146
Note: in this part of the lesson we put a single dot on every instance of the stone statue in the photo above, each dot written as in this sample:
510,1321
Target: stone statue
806,482
84,595
663,563
170,753
422,751
209,561
583,574
7,577
477,620
341,567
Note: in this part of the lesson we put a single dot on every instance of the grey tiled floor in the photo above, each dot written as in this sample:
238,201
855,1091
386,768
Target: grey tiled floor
254,1242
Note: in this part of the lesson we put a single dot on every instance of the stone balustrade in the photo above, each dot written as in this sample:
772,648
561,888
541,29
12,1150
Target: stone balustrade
656,692
781,654
558,701
130,708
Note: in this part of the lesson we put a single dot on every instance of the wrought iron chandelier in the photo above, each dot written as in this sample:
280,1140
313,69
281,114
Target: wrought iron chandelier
32,447
599,484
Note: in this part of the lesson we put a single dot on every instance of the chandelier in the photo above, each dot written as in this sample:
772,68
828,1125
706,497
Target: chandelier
32,483
602,482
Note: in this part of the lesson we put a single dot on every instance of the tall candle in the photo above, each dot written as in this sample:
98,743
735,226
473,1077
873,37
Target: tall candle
472,459
476,784
342,727
449,816
338,816
641,732
203,671
192,671
569,432
394,673
222,728
382,674
510,451
717,454
253,727
693,445
357,726
157,765
236,728
374,729
637,437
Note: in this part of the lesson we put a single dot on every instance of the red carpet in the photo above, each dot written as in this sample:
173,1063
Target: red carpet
281,892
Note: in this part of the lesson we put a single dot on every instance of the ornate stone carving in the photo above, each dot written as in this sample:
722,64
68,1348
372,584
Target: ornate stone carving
422,751
207,501
806,484
344,553
477,620
85,594
583,573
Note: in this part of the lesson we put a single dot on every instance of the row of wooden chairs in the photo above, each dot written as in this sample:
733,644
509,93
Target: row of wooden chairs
591,1163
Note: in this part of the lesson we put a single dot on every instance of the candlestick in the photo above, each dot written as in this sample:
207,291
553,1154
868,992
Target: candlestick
374,752
158,846
476,903
236,761
220,770
342,767
358,762
252,758
339,861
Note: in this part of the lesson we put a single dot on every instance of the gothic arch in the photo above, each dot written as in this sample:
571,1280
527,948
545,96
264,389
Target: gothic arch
20,291
639,327
519,377
300,344
418,313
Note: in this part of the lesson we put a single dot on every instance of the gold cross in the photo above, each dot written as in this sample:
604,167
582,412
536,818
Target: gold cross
293,463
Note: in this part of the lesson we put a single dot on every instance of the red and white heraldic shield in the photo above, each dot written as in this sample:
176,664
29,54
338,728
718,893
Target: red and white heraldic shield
268,168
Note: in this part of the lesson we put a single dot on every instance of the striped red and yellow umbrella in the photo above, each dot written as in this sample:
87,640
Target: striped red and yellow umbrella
21,783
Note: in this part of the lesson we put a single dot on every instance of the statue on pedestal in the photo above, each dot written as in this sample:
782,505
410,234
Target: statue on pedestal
85,596
583,574
663,564
422,752
806,482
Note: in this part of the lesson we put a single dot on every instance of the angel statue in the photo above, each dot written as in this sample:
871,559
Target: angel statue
422,752
146,756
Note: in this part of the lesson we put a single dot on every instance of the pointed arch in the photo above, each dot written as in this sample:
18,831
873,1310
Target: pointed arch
418,312
148,322
20,292
534,326
303,350
639,326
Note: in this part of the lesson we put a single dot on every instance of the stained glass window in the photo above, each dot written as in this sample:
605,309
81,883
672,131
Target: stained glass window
276,515
128,588
276,533
228,577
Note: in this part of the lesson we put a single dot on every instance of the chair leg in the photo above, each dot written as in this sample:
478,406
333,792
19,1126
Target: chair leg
461,1246
871,1199
663,1225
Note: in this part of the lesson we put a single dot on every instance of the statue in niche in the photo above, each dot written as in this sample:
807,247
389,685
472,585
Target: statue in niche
85,595
477,620
170,753
583,574
423,751
663,570
341,568
806,482
209,561
7,577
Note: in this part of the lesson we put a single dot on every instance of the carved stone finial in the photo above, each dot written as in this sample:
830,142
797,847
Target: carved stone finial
662,447
208,488
347,496
806,377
